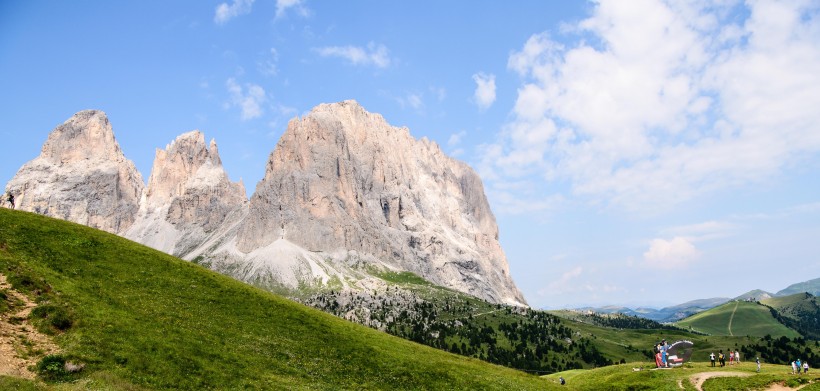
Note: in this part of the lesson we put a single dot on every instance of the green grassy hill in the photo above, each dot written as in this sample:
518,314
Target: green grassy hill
800,311
738,318
140,319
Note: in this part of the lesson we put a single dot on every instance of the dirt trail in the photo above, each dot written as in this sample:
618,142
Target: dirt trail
698,379
732,317
20,344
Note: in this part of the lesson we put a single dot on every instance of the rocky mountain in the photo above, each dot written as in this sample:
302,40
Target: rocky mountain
345,193
346,197
82,176
189,201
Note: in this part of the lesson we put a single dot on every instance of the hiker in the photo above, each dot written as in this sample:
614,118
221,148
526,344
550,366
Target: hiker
757,361
737,356
658,362
721,359
799,365
731,357
664,354
712,358
794,367
11,200
805,367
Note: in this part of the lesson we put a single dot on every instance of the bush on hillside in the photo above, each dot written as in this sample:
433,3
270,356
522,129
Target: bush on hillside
50,317
52,368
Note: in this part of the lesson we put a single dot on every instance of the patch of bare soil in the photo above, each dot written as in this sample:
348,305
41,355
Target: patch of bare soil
21,345
782,387
698,378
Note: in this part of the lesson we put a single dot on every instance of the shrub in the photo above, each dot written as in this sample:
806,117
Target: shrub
52,316
52,368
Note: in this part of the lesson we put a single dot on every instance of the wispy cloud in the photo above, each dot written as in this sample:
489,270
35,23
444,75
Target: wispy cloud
657,104
374,54
249,98
485,90
282,6
456,138
268,66
226,12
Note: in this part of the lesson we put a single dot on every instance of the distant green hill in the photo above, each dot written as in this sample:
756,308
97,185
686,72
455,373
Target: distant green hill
141,319
738,318
810,286
800,311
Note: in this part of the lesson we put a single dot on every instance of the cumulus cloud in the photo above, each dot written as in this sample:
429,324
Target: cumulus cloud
249,98
650,104
373,54
670,254
484,95
226,12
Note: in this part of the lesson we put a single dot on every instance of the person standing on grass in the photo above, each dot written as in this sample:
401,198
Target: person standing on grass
805,367
794,367
731,357
757,361
11,200
712,358
799,365
721,359
737,356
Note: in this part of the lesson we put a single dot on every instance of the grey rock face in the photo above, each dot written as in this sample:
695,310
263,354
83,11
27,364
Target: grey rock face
189,198
82,176
342,179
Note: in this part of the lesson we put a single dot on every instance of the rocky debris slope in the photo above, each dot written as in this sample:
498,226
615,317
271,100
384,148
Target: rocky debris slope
82,176
344,183
189,200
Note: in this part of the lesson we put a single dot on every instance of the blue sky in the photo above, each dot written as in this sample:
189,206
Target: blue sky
634,152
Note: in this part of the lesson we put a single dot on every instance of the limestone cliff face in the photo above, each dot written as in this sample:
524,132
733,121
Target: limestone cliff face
189,198
81,175
344,195
343,180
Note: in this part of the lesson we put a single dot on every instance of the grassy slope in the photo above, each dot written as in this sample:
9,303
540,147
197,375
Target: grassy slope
800,311
629,344
622,377
749,319
143,319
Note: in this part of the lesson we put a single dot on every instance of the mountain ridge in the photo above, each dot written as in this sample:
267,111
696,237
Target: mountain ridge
344,194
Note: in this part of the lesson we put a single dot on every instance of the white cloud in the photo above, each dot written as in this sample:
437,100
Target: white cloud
268,67
564,284
485,90
670,254
283,6
373,54
653,104
698,232
439,92
225,12
456,138
249,99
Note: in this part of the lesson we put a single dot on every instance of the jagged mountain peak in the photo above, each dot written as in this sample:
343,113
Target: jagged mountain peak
343,179
345,196
87,135
81,175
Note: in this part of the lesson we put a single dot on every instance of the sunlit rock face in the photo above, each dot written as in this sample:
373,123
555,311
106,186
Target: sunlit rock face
82,176
341,180
189,199
345,197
